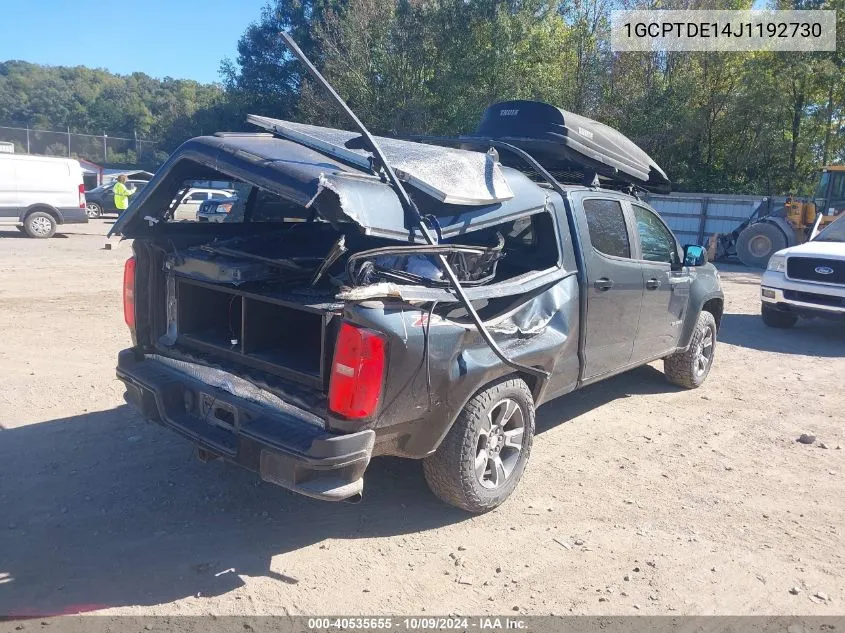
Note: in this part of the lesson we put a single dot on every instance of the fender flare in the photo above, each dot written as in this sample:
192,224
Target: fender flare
46,208
699,297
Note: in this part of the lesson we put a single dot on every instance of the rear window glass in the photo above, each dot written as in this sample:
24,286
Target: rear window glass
238,202
608,232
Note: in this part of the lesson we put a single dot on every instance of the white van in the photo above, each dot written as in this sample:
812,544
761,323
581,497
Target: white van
37,193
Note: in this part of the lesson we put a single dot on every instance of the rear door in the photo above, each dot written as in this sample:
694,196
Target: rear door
108,199
666,283
9,205
614,287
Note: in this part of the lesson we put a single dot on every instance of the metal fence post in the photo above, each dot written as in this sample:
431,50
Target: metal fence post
105,148
703,219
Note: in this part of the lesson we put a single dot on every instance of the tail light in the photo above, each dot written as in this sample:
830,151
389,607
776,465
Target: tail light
357,372
129,293
81,196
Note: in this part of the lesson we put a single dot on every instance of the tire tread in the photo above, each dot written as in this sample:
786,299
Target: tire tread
679,368
443,470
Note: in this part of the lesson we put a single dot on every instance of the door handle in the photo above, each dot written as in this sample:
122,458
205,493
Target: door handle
653,283
603,284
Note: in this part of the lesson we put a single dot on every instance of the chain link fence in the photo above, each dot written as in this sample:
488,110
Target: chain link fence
102,149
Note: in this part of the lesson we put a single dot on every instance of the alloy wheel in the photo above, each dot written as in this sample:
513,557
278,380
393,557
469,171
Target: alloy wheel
499,444
704,355
41,226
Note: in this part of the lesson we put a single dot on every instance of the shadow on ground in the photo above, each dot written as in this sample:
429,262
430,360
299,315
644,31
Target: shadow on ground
18,234
809,337
103,510
640,381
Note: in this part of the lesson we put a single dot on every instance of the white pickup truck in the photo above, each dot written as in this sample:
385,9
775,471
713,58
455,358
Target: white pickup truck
807,280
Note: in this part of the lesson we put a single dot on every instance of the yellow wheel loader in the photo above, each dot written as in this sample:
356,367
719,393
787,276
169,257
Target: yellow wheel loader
759,237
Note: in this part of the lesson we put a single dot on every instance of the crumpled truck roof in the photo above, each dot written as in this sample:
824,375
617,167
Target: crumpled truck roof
341,186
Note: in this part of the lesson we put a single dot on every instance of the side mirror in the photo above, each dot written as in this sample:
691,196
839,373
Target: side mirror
694,255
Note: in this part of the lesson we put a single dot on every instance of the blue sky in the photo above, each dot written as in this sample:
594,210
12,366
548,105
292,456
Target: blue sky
185,39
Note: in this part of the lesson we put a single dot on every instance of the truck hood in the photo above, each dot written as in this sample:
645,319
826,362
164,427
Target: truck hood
831,250
319,168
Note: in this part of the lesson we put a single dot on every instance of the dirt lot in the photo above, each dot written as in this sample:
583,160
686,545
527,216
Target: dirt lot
639,497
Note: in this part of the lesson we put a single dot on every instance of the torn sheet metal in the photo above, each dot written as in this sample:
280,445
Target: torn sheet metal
533,316
238,387
340,193
449,175
419,294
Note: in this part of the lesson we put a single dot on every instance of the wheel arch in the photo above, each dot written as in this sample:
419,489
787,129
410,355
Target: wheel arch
716,307
712,301
425,443
44,208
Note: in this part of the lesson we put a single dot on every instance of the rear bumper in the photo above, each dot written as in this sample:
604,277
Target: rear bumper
285,450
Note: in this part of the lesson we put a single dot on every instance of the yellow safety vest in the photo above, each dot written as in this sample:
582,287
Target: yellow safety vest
121,196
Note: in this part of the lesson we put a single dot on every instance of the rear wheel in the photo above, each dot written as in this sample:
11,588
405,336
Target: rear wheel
777,318
758,242
93,210
481,460
690,368
39,224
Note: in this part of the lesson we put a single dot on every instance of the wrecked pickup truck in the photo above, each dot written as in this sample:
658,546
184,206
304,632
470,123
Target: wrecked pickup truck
314,328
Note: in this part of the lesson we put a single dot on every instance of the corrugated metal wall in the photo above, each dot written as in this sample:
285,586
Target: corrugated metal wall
694,217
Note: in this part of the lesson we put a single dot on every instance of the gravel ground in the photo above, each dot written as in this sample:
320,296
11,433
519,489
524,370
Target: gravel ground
640,498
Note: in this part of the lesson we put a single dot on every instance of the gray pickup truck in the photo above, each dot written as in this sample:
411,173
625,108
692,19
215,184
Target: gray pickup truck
316,328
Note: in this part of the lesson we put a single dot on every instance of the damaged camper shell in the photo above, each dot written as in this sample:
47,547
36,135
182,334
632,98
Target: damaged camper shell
314,330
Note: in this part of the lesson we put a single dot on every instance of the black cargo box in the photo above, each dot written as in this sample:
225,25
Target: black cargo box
570,144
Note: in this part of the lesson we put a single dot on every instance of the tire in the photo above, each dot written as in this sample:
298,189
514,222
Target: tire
689,369
93,210
758,242
777,318
39,225
465,471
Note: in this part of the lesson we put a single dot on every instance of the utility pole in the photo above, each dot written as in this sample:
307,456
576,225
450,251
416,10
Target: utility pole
68,141
27,138
105,148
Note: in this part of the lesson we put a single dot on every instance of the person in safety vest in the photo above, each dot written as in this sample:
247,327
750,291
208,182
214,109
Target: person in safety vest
122,193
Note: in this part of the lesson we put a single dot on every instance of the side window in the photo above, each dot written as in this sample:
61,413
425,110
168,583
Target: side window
608,232
837,191
198,196
657,243
522,232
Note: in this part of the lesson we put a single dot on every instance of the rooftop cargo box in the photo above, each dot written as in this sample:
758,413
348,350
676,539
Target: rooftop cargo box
567,143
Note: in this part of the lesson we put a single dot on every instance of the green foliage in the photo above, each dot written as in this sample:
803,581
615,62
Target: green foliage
95,101
719,122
